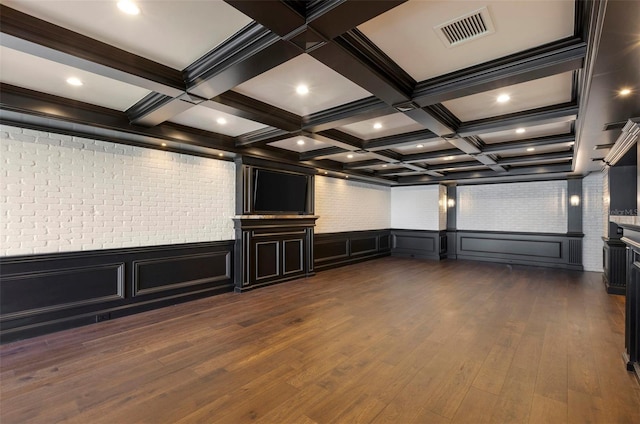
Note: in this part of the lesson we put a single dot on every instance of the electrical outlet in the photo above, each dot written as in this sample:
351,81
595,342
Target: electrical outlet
103,317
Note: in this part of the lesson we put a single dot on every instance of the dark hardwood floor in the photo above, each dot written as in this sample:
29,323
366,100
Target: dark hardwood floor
386,341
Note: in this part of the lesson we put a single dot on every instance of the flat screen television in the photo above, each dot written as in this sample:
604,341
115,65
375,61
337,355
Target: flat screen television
279,192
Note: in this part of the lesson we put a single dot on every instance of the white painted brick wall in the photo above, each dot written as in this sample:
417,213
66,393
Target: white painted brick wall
345,205
528,207
417,208
592,222
60,193
606,199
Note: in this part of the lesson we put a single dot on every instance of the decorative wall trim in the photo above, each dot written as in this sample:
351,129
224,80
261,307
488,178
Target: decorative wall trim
40,294
338,249
614,258
538,249
421,244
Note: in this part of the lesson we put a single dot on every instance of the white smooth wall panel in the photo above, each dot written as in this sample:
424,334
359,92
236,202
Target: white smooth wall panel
345,205
60,193
538,207
417,208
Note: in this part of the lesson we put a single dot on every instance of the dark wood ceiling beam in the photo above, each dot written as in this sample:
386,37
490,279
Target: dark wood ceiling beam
380,143
529,143
263,136
338,139
255,110
332,18
359,110
321,153
540,158
247,54
103,122
355,57
545,115
278,16
553,58
489,162
426,156
472,175
36,37
364,164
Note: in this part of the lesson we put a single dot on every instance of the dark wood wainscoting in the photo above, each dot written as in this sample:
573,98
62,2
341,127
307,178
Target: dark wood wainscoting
331,250
44,293
421,244
632,302
614,262
548,250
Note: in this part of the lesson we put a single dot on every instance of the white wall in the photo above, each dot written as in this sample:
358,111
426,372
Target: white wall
527,207
418,208
592,222
345,205
60,193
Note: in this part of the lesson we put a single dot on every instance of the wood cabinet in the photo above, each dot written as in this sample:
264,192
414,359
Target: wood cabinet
272,249
632,305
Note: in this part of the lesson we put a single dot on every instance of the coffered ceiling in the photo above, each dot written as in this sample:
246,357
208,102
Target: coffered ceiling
369,89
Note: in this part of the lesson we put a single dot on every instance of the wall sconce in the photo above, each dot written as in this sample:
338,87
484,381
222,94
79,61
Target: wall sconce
451,203
574,200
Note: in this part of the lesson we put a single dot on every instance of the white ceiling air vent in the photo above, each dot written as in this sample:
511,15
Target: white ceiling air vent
465,28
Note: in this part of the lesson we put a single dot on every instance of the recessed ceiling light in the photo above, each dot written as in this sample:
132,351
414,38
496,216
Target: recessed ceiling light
221,121
326,173
221,154
300,142
531,149
377,126
503,98
128,7
420,146
350,156
571,143
448,158
624,92
520,130
74,81
384,166
164,144
302,89
346,176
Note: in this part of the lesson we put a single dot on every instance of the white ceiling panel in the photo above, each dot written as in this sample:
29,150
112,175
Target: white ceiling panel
174,33
208,119
406,33
355,157
327,88
542,92
417,147
396,123
530,132
34,73
444,159
561,147
294,145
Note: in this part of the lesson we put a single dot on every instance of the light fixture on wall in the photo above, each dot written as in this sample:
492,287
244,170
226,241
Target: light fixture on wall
574,200
451,203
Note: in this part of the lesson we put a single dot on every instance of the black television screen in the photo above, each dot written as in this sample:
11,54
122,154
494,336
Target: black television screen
279,192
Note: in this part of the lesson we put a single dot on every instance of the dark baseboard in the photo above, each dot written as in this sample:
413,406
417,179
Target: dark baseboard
40,294
332,250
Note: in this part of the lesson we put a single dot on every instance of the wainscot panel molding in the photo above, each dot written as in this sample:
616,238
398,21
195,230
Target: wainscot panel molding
614,263
631,354
539,249
421,244
41,294
338,249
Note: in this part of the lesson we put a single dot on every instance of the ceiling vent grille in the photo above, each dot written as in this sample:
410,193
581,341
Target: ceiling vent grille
465,28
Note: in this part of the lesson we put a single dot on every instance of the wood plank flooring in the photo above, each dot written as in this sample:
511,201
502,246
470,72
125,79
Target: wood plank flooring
386,341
